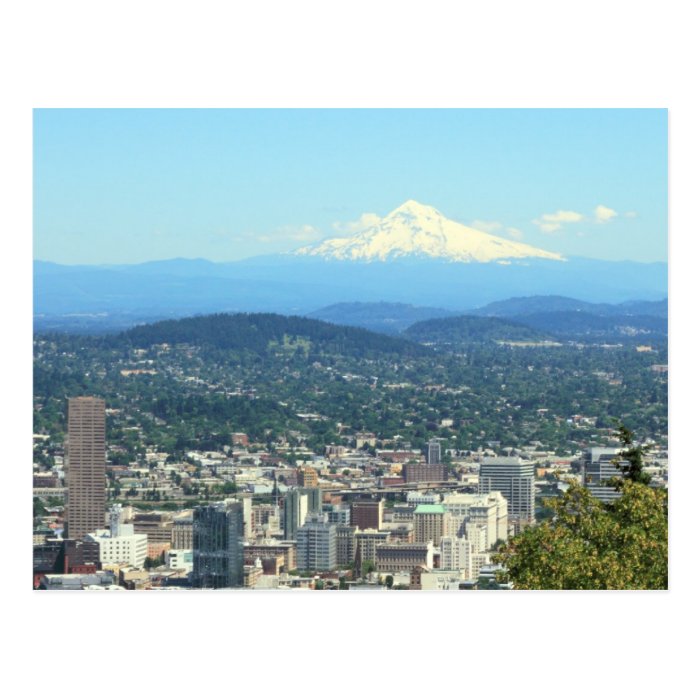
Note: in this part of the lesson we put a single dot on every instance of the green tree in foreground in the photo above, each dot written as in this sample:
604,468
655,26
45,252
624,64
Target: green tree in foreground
592,545
631,459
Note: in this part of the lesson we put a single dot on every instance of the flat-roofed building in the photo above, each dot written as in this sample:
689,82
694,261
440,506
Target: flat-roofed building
218,534
316,544
182,531
429,523
337,514
395,557
295,509
307,477
421,472
514,478
85,471
598,466
125,547
367,514
367,541
417,498
157,526
345,544
433,452
265,550
490,510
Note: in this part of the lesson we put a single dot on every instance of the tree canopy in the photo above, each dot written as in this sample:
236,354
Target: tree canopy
594,545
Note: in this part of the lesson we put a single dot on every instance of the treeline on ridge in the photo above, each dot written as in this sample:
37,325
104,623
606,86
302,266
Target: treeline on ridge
256,332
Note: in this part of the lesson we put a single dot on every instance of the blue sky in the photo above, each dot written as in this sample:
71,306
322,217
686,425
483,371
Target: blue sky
126,186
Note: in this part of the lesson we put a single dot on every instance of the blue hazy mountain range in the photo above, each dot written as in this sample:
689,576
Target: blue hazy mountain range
301,285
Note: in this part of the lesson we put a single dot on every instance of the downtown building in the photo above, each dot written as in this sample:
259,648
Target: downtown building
366,543
316,544
420,472
430,523
489,510
397,558
514,478
599,465
433,452
218,533
463,555
119,544
85,471
366,514
298,503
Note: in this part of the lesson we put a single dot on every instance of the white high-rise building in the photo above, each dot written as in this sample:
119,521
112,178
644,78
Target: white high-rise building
461,554
489,510
455,553
247,518
515,479
477,535
124,548
119,544
316,544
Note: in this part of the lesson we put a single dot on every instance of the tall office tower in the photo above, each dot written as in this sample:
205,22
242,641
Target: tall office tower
217,535
85,473
314,500
515,479
430,523
247,502
433,452
599,466
296,504
316,544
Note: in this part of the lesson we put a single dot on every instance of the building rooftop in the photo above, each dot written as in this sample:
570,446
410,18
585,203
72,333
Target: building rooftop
429,508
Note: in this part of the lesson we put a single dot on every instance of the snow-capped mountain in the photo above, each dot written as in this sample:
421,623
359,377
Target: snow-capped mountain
417,230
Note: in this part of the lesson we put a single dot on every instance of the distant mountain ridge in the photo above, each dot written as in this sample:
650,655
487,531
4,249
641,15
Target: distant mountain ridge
522,306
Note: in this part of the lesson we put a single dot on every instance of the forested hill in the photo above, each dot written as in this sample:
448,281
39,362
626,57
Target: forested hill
260,333
472,329
573,323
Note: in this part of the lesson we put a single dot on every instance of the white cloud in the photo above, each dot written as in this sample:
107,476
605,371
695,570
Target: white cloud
350,227
496,226
603,214
549,223
486,226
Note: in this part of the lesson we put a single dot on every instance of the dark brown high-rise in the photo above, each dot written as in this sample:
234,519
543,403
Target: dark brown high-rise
85,472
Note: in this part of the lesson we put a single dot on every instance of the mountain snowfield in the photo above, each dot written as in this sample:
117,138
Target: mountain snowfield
418,230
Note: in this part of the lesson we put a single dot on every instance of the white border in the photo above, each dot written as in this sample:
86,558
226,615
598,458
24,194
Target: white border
506,54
